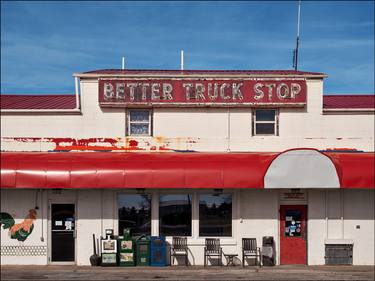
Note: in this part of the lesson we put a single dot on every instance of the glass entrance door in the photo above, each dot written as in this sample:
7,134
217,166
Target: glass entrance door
63,236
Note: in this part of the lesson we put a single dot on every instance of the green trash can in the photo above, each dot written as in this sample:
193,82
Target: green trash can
126,249
143,250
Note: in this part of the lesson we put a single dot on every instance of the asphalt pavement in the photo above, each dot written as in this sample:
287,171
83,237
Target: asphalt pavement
182,273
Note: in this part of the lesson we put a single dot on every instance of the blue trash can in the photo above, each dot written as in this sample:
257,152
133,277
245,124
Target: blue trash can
158,251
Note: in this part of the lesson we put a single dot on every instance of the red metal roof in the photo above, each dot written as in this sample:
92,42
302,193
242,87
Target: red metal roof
69,101
161,170
38,101
349,101
234,72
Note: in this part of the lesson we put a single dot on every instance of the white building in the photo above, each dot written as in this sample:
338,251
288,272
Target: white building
226,154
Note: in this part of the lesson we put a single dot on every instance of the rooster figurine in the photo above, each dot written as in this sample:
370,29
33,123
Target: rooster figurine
19,231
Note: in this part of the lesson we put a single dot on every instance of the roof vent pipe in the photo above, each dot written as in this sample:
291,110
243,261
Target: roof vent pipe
123,63
182,59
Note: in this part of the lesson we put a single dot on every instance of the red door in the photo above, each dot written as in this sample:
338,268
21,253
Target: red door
293,234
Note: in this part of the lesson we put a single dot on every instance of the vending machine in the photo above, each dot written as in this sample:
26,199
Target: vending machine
109,249
143,250
158,251
126,249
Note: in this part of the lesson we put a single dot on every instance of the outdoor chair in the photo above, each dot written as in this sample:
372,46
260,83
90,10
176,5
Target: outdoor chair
179,248
250,249
213,249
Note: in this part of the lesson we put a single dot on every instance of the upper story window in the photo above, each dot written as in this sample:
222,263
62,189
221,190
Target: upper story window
139,122
265,122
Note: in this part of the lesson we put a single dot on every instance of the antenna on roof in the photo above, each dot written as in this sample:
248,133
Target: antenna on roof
123,63
182,59
295,51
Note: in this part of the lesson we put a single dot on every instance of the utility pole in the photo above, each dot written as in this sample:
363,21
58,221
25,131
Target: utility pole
295,53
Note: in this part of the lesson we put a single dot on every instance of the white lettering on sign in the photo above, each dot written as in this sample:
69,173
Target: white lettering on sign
120,91
144,90
295,90
203,91
270,88
187,87
108,91
222,91
258,91
131,86
212,96
282,91
199,91
167,91
155,88
236,91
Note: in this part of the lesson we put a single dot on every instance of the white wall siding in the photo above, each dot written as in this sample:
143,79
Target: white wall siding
199,129
255,214
359,211
17,203
88,223
356,208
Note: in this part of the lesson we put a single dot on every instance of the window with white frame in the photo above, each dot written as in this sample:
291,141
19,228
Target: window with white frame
139,122
265,122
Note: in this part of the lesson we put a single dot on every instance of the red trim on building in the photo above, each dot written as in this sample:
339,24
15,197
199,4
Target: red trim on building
210,72
69,101
161,170
349,102
38,101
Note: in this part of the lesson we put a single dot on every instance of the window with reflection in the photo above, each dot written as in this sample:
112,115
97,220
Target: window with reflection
134,212
175,215
139,122
293,223
215,214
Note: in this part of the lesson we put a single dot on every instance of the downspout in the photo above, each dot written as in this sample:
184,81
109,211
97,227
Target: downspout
76,84
342,212
326,211
228,132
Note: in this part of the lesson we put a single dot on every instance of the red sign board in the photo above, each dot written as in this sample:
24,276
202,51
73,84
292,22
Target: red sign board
201,92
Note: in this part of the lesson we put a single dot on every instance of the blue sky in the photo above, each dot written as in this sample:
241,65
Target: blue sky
44,43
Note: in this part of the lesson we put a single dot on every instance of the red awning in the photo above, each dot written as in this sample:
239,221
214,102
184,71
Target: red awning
133,170
161,170
355,170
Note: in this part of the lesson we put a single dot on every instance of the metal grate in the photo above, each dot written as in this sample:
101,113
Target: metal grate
339,254
23,250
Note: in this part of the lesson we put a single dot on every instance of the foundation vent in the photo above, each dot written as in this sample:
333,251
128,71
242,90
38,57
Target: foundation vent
339,254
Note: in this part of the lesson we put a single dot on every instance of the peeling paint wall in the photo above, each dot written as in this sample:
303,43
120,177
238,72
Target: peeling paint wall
186,129
158,144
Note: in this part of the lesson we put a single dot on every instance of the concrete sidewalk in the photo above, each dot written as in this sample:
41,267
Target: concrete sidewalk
54,272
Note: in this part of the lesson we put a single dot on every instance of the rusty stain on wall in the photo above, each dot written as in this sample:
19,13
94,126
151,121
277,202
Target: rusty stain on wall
144,144
98,144
341,149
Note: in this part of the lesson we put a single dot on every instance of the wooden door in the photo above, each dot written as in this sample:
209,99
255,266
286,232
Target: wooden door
293,234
